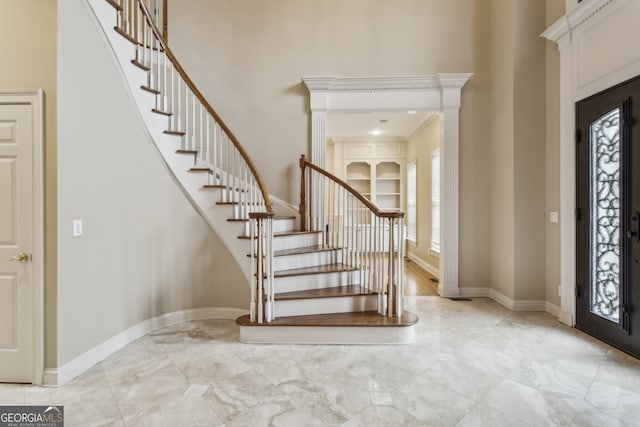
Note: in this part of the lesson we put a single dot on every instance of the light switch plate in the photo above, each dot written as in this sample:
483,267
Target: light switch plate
553,216
77,228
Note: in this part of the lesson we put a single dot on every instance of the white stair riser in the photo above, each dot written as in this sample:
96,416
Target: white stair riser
312,259
290,241
316,281
280,225
347,304
295,241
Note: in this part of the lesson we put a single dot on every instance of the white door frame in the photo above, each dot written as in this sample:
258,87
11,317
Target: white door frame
35,98
442,93
585,35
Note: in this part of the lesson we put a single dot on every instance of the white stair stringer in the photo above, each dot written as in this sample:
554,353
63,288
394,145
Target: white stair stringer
191,183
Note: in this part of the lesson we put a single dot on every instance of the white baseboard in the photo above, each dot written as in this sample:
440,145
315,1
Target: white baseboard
422,263
552,309
525,305
80,364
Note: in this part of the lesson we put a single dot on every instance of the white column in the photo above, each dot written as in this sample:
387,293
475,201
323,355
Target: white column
449,197
319,137
567,187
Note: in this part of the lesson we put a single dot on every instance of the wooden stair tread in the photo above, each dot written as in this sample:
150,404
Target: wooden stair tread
150,90
332,292
186,152
125,35
164,113
317,269
139,64
115,5
305,250
175,132
286,233
357,319
242,219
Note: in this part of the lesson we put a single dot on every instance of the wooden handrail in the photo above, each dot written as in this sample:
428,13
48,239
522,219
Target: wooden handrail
207,106
376,211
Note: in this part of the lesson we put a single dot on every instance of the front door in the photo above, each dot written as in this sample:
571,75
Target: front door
608,216
16,243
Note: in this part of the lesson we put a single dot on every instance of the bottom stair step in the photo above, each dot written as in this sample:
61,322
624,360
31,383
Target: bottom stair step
342,328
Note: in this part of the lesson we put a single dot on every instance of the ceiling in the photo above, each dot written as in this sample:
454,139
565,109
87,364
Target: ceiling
387,125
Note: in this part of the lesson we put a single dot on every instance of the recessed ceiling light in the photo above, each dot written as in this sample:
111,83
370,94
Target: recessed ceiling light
411,112
383,120
375,132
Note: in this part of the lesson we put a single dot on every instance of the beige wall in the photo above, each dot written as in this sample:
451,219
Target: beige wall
529,151
145,250
519,156
419,148
554,10
28,47
501,147
248,58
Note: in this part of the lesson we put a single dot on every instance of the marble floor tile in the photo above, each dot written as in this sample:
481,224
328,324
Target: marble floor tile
550,379
330,404
474,363
231,396
615,401
482,416
13,394
431,403
282,412
529,404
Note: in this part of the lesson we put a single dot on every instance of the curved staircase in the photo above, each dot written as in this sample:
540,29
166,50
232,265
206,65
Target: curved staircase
329,276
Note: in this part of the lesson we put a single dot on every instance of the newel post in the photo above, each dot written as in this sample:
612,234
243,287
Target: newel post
303,198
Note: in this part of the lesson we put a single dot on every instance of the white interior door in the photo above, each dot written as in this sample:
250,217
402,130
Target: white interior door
16,243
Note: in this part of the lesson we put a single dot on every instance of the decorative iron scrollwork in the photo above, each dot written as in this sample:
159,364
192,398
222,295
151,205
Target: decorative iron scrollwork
605,216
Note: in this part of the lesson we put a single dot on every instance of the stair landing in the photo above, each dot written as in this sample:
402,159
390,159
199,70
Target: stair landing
366,327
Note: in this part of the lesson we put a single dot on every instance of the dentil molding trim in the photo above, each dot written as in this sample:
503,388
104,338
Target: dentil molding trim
580,15
374,84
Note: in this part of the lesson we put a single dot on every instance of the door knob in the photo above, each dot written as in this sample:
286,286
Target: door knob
21,257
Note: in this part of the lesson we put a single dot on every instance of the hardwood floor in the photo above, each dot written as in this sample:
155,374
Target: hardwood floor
417,280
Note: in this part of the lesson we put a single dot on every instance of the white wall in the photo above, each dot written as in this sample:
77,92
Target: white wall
145,250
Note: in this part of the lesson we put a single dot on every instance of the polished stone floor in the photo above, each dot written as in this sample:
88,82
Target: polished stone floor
474,363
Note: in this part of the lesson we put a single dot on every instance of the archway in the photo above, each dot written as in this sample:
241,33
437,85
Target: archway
442,93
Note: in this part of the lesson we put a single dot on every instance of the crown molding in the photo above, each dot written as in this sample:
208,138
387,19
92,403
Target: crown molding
376,84
579,16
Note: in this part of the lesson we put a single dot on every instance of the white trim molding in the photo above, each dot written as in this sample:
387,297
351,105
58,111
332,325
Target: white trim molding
80,364
440,93
589,32
35,98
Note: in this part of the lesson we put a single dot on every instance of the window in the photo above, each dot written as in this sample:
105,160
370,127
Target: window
411,202
435,200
